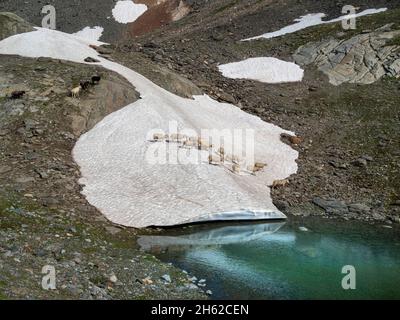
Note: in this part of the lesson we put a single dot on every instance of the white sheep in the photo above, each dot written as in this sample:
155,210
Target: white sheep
203,144
158,137
236,168
214,160
258,166
280,183
189,144
75,92
177,137
221,152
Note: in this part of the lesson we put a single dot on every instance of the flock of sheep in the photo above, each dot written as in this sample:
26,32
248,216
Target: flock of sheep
216,157
84,85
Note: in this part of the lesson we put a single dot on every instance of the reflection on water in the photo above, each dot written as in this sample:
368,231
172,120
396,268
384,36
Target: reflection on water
211,236
278,261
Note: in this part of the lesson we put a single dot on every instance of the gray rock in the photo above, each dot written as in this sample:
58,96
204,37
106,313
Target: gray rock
338,165
91,60
98,292
25,180
5,169
11,24
364,58
367,157
360,162
331,205
378,217
191,286
176,83
113,230
4,132
359,208
42,174
30,124
217,36
282,205
227,97
166,278
104,50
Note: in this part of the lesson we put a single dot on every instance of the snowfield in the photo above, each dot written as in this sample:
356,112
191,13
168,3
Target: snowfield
311,20
268,70
91,34
129,189
127,11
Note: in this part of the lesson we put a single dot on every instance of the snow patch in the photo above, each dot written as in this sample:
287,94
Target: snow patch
268,70
91,34
311,20
55,44
130,191
128,11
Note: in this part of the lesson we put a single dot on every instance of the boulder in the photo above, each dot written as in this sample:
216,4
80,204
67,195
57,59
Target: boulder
176,83
11,24
332,206
364,58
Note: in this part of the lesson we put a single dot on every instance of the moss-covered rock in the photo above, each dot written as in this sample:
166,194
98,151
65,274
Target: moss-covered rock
11,24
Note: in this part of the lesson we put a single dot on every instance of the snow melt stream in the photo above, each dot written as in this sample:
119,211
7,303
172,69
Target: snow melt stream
129,190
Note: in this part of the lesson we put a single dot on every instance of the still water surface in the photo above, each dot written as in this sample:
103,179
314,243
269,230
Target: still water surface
284,261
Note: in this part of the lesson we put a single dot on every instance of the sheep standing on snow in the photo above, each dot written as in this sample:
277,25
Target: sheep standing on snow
158,137
177,137
189,144
221,152
236,168
258,166
203,144
214,160
280,183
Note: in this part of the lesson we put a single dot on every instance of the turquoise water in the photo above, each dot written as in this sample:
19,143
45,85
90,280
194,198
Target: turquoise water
283,261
